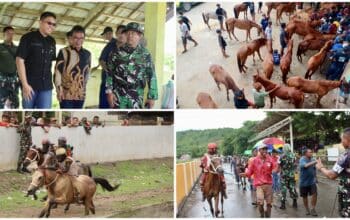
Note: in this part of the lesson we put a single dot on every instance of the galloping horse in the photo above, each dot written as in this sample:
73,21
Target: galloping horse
284,7
286,61
231,23
292,94
317,60
305,45
211,15
64,189
319,87
237,9
247,50
213,187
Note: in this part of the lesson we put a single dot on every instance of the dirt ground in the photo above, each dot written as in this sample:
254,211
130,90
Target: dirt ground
193,74
134,201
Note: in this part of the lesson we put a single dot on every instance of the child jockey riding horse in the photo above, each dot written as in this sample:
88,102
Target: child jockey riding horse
205,165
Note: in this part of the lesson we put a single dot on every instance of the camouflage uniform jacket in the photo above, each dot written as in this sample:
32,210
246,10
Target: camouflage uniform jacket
287,163
25,131
129,69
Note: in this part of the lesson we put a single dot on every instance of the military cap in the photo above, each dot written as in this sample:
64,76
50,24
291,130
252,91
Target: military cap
133,26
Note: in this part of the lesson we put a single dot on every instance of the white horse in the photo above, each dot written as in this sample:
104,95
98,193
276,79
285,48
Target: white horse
207,15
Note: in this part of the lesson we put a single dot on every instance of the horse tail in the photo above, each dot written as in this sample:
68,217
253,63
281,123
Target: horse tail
89,171
235,12
239,63
204,19
105,184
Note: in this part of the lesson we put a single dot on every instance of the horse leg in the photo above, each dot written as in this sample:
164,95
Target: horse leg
51,202
222,205
318,103
233,33
271,99
66,208
260,55
218,84
217,210
87,206
228,98
211,206
92,207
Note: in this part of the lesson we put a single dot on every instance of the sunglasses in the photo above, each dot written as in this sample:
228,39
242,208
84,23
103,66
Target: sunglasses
51,24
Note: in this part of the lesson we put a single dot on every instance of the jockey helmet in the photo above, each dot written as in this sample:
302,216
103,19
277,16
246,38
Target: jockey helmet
60,151
212,146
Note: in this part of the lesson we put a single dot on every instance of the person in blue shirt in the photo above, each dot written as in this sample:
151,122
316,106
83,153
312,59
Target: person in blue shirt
264,22
339,61
307,181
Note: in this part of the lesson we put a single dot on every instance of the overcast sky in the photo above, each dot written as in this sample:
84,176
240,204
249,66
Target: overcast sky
204,119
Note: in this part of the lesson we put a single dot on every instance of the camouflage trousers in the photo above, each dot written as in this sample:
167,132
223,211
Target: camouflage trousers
9,91
127,102
288,184
22,155
344,201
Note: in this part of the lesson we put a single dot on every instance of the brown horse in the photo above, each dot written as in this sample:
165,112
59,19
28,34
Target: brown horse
286,61
268,65
66,189
237,9
305,45
231,23
284,7
204,100
247,50
220,75
317,60
292,94
213,187
319,36
301,28
270,6
211,15
319,87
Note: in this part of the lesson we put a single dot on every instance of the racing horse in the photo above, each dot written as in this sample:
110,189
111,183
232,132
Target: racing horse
211,15
247,50
213,187
247,25
237,9
66,189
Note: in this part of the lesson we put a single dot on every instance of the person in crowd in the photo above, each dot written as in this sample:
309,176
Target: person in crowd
185,35
34,57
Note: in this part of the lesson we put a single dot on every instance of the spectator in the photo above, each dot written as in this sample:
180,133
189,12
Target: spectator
259,96
67,121
264,22
240,100
344,90
222,43
86,125
283,38
53,123
75,122
185,20
307,182
268,36
5,121
185,35
259,7
96,121
220,13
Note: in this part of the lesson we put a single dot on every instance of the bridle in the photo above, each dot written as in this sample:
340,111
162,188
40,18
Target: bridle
37,155
45,177
214,168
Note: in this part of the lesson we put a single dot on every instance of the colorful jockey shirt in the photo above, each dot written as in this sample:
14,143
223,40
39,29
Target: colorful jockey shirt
129,70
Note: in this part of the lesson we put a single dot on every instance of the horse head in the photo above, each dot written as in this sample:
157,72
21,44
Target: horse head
33,154
216,166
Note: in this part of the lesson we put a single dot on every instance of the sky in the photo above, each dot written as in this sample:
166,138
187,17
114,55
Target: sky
205,119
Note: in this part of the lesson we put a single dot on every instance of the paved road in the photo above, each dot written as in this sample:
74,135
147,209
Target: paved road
239,205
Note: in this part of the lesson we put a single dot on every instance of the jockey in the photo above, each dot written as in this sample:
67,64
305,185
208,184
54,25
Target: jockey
48,152
205,165
62,142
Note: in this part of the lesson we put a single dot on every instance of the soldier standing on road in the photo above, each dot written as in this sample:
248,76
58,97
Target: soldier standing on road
341,169
129,70
8,72
25,131
287,165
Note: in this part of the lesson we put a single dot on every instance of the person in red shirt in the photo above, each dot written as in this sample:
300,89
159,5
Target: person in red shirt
205,165
261,167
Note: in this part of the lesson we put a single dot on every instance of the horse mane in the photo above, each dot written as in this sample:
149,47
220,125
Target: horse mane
329,83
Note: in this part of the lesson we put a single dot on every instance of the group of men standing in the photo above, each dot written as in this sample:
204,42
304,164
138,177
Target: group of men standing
127,68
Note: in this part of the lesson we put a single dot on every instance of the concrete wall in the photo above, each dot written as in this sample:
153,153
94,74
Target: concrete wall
108,144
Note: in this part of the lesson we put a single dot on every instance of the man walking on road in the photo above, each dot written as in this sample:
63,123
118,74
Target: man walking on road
341,169
185,35
262,167
307,182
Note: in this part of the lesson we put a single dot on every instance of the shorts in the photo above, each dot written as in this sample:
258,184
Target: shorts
308,190
221,18
184,39
283,45
264,192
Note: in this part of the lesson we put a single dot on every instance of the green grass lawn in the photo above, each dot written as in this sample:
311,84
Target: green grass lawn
138,177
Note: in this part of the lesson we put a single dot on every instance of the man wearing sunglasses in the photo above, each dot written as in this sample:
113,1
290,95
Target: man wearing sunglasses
71,82
36,51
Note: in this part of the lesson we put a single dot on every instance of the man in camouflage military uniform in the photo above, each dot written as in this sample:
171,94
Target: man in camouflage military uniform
25,131
130,68
8,71
287,166
341,169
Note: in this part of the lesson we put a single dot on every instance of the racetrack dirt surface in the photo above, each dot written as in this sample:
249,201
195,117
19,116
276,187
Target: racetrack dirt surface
193,74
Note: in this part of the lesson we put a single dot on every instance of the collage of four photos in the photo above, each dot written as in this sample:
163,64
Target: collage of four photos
172,109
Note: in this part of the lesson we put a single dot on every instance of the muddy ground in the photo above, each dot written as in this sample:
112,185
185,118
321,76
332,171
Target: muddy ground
149,193
192,67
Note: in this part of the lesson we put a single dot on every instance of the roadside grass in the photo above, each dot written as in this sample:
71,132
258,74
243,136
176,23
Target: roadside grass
135,176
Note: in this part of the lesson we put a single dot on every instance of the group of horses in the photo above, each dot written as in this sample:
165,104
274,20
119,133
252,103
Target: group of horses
63,189
293,88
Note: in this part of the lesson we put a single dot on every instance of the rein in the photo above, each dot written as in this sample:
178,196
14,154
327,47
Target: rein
53,181
214,168
37,155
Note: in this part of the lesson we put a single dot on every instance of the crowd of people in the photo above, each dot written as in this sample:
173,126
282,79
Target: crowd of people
272,173
127,68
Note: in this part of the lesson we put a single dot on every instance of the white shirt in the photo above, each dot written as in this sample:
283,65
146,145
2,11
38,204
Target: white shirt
184,30
268,33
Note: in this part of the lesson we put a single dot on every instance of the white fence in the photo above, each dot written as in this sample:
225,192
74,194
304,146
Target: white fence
108,144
